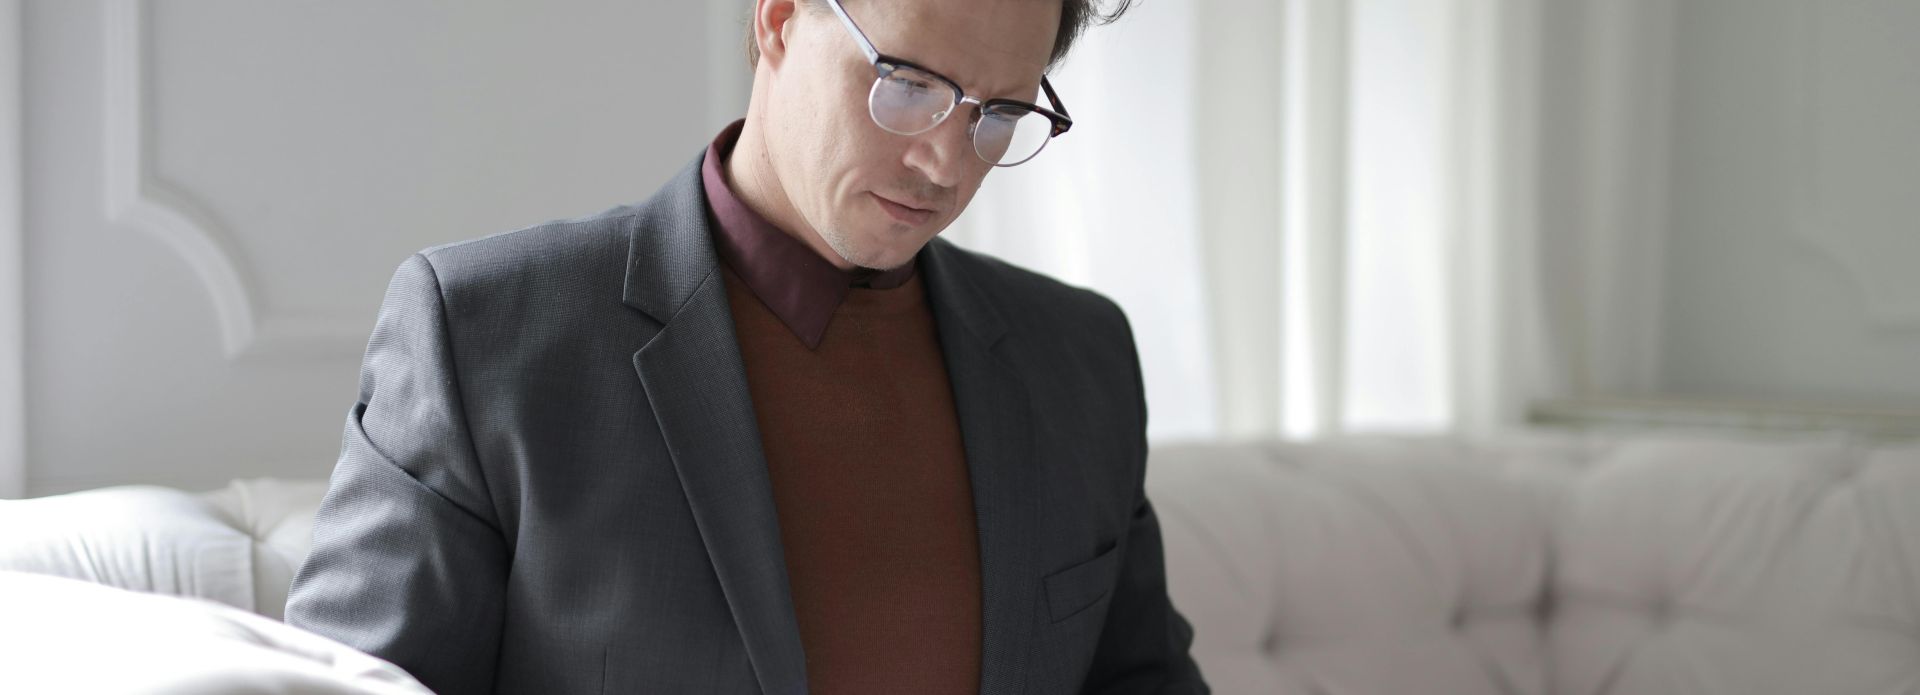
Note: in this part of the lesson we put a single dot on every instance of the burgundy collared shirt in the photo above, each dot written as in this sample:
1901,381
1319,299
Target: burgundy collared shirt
799,286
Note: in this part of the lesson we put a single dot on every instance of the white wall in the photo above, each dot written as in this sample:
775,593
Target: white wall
1729,199
1794,265
218,190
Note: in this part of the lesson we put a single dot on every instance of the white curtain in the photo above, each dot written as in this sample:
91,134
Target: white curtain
1317,213
1411,140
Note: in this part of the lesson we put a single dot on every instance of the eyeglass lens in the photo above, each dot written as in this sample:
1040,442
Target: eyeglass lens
909,101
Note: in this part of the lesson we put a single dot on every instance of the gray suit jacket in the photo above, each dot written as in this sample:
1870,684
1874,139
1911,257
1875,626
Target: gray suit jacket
552,481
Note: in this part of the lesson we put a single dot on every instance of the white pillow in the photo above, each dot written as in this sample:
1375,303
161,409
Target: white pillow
139,537
69,636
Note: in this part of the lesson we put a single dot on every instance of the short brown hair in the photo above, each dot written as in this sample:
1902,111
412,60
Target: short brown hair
1075,17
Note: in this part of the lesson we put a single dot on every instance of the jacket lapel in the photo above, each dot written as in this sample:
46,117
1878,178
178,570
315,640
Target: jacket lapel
696,383
996,429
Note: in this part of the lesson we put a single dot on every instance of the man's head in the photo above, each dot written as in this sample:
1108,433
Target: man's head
817,161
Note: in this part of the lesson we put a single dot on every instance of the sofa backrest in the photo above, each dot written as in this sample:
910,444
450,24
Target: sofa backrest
1546,564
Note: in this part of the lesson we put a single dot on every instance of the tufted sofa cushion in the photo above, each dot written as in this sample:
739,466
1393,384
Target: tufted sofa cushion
1716,567
1546,564
238,545
1357,567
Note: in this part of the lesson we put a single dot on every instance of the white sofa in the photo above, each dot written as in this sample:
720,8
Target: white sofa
1523,565
1642,565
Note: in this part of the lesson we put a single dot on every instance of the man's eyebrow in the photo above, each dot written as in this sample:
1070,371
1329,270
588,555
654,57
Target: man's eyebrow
1022,92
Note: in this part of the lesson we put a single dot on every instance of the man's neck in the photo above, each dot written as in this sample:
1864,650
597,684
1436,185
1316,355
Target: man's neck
751,177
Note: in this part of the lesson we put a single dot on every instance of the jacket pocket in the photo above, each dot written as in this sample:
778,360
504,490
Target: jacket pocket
1074,589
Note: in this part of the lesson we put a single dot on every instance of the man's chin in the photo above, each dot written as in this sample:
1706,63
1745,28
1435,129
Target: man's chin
886,256
900,255
885,263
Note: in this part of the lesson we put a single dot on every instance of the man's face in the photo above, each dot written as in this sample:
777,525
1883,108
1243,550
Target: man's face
874,196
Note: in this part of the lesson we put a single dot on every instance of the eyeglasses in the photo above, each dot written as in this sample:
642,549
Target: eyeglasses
907,99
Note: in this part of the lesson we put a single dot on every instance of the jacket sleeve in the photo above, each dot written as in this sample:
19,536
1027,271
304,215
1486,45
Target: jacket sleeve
408,562
1144,644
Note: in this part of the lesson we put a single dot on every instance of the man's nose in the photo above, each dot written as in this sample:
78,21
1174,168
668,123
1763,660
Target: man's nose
943,155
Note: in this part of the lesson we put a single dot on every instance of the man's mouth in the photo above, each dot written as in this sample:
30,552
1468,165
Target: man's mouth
904,213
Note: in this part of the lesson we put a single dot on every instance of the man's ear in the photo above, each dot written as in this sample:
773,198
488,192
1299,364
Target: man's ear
770,19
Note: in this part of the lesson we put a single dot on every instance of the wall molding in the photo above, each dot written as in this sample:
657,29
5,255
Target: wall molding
1883,309
138,199
1706,414
13,232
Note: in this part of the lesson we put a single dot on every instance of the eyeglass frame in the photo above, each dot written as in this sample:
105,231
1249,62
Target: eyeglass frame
884,65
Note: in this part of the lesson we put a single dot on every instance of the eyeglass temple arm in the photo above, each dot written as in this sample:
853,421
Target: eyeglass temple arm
860,37
1054,100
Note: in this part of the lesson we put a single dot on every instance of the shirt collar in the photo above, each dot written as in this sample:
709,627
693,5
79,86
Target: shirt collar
796,283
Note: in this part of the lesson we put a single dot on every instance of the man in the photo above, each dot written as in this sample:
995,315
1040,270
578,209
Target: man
763,432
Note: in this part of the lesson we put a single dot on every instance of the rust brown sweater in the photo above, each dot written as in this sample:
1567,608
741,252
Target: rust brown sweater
863,448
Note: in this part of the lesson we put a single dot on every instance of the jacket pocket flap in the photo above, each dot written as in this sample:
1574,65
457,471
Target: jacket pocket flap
1073,589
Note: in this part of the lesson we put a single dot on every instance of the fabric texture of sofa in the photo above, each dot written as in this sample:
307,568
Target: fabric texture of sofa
1572,565
1519,565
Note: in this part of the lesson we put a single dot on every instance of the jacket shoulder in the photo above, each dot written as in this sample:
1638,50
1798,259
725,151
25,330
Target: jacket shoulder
1035,301
544,253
